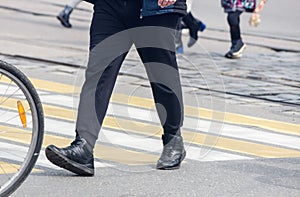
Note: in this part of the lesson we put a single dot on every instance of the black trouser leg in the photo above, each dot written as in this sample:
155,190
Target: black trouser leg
162,71
108,50
233,19
192,25
109,45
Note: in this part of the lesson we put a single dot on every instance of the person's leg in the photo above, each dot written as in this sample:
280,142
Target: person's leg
189,4
64,15
233,19
95,95
237,45
73,3
108,50
109,45
162,70
194,25
178,38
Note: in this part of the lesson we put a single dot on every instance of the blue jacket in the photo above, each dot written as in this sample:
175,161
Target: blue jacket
150,7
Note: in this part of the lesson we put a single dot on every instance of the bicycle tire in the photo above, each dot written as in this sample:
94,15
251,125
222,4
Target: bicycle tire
37,114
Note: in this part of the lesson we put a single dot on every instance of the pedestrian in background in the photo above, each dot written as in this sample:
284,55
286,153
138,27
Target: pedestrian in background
192,24
64,15
116,25
234,8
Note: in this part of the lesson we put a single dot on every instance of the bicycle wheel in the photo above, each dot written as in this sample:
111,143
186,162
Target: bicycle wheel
21,128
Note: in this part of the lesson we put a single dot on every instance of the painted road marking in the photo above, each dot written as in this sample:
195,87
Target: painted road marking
223,143
233,144
15,154
227,117
101,151
233,118
228,130
278,126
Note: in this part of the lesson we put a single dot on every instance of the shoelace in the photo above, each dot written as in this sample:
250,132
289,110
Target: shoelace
76,142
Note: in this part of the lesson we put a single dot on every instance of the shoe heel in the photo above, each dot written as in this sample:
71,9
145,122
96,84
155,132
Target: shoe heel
202,27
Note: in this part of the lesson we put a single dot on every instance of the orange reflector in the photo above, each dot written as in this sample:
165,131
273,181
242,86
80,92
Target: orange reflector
22,114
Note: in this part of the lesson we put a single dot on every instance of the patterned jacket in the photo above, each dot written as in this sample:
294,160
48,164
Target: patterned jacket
150,7
241,5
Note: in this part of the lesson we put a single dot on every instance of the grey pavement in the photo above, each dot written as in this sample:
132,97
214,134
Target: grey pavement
264,83
277,177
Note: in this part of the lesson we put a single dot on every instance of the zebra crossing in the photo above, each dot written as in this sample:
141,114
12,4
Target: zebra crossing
131,131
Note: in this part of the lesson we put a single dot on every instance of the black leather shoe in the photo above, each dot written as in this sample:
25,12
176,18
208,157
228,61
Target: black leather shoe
173,152
77,158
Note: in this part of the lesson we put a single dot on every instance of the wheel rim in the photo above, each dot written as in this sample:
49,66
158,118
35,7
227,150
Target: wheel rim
11,180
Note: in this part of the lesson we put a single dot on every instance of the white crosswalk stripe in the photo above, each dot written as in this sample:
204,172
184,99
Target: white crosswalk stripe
228,130
149,144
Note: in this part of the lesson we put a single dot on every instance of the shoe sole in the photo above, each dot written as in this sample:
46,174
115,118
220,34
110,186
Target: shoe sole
63,22
238,54
59,160
235,55
173,167
228,55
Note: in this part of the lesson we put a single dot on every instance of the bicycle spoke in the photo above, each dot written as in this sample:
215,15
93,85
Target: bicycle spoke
2,102
21,127
6,91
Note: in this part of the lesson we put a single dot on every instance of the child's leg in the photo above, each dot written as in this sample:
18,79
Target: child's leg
73,3
194,25
233,19
237,46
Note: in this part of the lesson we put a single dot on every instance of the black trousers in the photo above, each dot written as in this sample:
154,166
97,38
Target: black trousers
116,26
233,19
